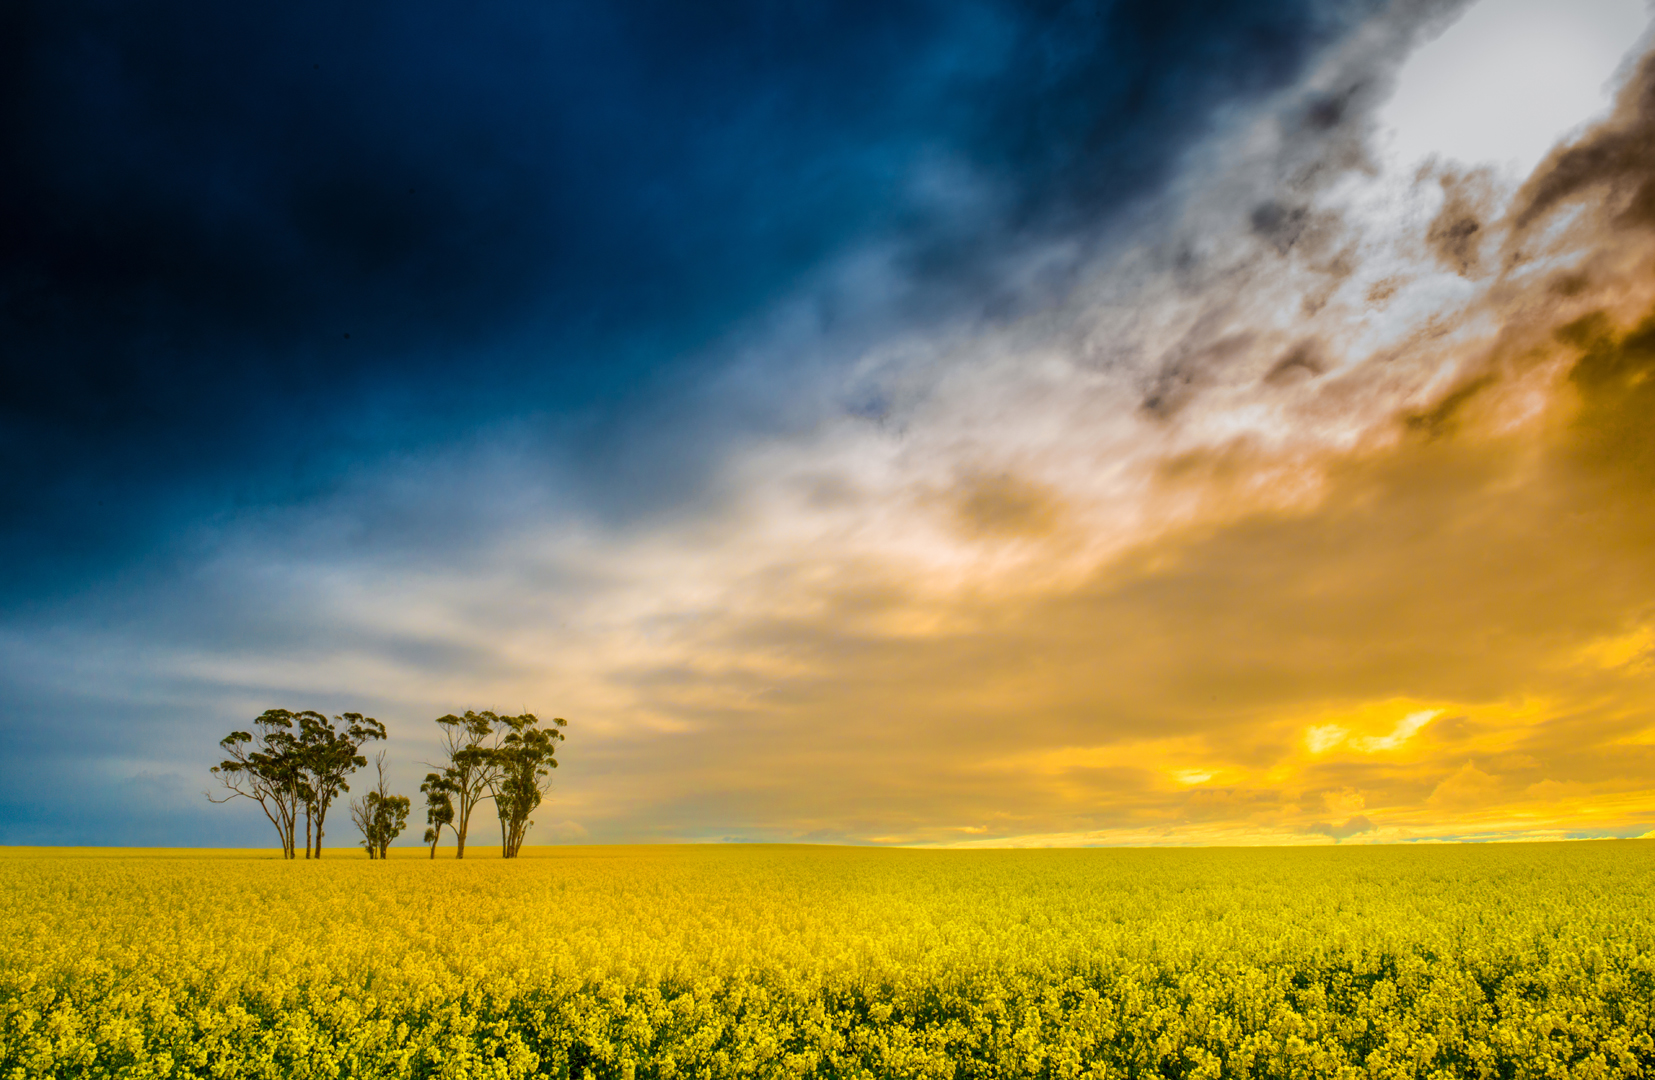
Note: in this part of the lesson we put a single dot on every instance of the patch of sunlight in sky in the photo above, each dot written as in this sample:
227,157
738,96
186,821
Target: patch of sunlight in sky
1509,79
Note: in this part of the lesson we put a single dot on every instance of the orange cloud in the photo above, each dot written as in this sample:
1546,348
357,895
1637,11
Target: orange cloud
1319,513
1436,629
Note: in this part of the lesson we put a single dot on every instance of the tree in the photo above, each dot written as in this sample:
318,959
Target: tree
306,723
472,768
380,815
439,807
328,755
524,758
264,765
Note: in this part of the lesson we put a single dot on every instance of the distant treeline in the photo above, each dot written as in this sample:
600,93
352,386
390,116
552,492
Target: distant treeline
296,764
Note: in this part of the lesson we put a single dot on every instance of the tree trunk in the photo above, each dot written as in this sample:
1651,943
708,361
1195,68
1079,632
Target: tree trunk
281,838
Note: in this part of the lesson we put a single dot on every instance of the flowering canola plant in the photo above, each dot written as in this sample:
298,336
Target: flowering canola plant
1508,961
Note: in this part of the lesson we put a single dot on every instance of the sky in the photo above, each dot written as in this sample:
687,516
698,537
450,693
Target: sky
960,423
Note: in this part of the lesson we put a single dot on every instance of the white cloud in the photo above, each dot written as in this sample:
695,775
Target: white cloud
1509,79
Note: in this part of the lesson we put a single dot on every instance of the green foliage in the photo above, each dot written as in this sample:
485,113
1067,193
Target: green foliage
526,755
384,818
491,756
266,765
327,755
1494,962
470,771
293,764
379,815
439,807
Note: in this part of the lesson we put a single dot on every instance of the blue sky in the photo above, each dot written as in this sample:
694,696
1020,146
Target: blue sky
247,250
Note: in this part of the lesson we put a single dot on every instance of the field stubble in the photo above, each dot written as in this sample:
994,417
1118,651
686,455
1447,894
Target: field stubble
1509,961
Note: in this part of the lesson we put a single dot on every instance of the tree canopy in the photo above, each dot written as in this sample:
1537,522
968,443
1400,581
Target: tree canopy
492,756
380,815
294,765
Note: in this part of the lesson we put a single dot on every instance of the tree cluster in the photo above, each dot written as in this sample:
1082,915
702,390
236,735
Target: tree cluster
490,756
379,815
295,764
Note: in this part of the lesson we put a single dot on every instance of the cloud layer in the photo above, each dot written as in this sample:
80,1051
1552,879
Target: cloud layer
1087,436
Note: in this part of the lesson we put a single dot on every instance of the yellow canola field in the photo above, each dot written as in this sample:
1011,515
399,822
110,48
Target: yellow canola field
1510,961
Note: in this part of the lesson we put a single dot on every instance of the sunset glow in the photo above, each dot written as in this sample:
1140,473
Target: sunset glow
1301,491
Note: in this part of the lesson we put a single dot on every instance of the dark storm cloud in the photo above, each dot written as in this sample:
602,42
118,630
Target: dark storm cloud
243,248
1618,158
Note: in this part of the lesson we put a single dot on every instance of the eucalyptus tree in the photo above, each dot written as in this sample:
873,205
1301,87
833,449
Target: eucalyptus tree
472,767
380,815
265,765
439,807
329,754
492,756
525,755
